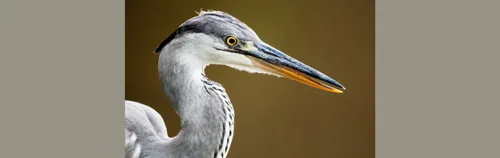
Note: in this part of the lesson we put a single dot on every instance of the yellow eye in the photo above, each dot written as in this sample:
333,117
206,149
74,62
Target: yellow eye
231,40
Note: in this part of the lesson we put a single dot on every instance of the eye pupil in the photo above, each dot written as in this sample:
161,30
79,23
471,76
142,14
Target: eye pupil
231,40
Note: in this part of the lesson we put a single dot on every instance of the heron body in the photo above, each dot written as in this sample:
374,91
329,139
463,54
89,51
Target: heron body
204,108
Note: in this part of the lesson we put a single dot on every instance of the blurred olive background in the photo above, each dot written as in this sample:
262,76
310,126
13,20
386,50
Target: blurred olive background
275,117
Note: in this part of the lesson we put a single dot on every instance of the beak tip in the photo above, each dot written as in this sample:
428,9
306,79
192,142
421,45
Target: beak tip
340,86
334,90
340,90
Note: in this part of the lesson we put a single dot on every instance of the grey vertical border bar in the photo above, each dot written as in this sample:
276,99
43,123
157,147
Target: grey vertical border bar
61,78
437,73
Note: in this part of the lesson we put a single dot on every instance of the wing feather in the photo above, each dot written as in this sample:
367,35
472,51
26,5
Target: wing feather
142,125
132,148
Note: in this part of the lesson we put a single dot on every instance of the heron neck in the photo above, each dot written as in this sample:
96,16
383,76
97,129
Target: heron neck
201,112
182,83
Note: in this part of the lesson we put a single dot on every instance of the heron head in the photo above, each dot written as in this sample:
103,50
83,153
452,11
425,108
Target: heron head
218,38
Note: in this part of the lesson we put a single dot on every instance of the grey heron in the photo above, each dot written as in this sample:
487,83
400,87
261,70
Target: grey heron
205,111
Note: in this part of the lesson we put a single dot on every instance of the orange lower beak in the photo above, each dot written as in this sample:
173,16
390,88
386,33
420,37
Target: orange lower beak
295,75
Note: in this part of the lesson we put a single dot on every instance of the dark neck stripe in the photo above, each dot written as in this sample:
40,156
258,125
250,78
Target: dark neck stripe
166,41
180,31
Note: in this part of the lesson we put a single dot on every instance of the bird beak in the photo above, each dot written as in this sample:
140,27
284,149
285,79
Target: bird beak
271,59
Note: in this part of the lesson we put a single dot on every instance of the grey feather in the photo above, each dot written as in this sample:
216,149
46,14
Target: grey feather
205,111
207,115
